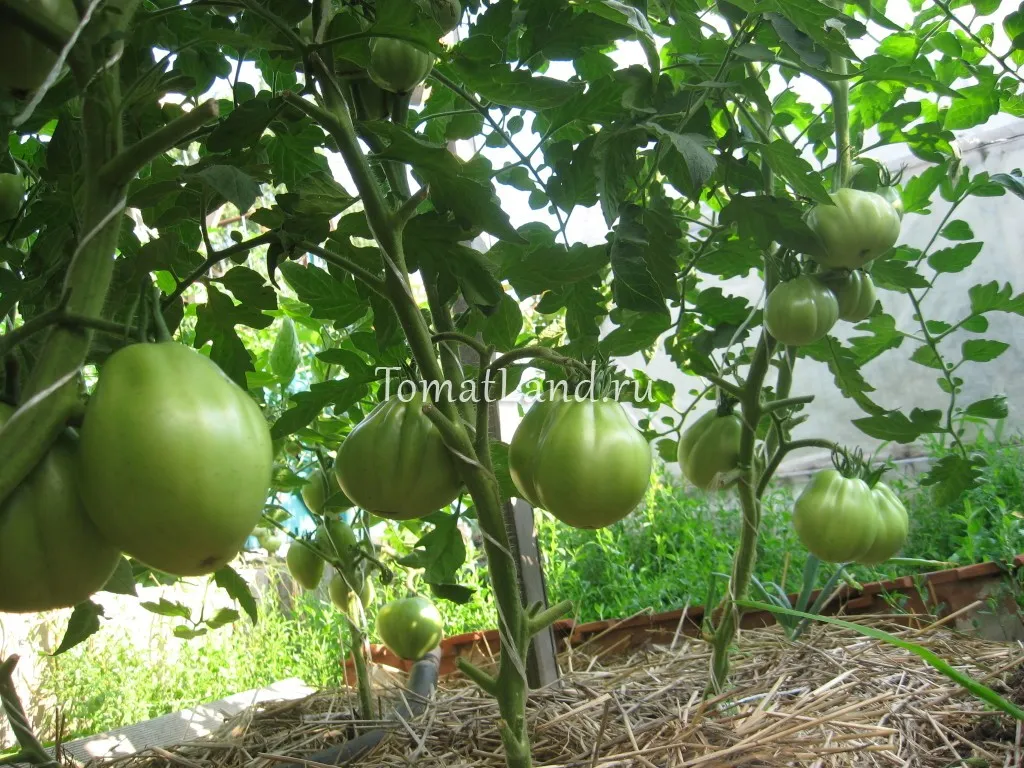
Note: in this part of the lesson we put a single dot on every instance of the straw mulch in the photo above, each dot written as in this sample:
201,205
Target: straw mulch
833,698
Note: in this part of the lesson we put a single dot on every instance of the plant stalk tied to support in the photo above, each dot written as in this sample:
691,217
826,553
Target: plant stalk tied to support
386,226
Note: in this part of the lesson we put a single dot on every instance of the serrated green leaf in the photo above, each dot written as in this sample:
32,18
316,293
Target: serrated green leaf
84,622
227,578
502,327
989,408
982,350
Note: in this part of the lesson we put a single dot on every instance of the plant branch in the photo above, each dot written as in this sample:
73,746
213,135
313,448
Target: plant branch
780,454
788,402
124,166
371,280
536,353
477,346
544,619
408,209
32,751
215,258
487,683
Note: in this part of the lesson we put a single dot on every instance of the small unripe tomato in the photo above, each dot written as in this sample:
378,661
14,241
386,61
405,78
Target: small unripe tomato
410,627
710,450
800,311
12,193
855,293
398,66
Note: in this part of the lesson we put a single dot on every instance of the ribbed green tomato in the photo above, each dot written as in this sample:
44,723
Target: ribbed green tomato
24,60
860,227
710,450
836,517
410,628
893,525
395,464
800,311
176,459
894,198
12,193
322,493
51,555
855,293
398,66
581,460
285,355
305,566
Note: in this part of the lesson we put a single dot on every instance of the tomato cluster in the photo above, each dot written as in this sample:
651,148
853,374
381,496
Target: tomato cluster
841,519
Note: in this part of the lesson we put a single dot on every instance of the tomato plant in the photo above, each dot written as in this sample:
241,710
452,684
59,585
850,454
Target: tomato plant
857,228
582,461
835,517
394,463
410,627
800,311
175,459
709,450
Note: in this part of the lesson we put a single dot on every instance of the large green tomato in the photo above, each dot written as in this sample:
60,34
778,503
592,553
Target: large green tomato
893,524
24,61
410,628
51,555
860,227
12,193
836,517
395,465
176,459
800,311
305,566
322,493
710,450
581,460
855,293
398,66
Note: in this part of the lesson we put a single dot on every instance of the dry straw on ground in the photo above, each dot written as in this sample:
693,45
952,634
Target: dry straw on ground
834,698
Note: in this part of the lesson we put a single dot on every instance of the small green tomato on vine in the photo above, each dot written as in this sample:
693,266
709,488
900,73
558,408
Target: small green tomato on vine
800,311
709,450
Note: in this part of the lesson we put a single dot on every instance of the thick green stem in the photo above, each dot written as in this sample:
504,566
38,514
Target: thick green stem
32,751
750,503
481,484
363,683
840,89
51,392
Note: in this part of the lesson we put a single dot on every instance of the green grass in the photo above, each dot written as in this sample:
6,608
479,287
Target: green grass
661,557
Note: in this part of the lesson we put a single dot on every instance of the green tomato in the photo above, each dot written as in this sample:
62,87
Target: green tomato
581,460
395,464
25,62
836,517
322,493
410,628
446,13
344,599
855,293
860,227
51,555
305,566
176,459
800,311
398,66
710,450
12,193
285,355
893,524
336,539
370,100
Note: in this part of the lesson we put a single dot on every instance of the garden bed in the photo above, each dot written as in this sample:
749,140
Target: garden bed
835,697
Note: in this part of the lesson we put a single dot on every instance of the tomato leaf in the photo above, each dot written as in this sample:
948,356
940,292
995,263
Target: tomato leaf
952,475
897,427
228,579
502,328
84,622
989,408
122,581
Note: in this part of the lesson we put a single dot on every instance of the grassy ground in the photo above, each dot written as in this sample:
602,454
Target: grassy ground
662,557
